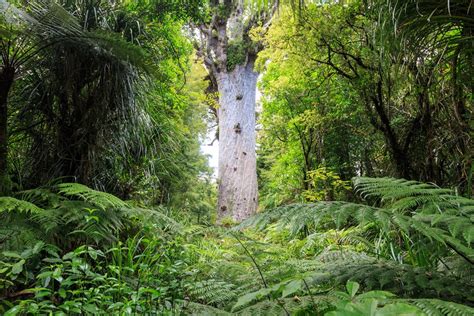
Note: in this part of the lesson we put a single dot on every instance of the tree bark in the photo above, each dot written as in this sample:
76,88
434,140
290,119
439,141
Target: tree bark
238,191
6,80
229,55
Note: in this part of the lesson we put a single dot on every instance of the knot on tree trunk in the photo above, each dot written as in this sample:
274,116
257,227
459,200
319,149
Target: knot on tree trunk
237,128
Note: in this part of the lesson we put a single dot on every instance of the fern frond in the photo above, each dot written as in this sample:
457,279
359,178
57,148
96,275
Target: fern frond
292,305
154,217
403,195
10,204
100,199
42,197
411,210
402,279
441,308
195,309
301,215
211,291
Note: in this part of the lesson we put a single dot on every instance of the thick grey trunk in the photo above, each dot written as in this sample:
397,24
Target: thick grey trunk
238,191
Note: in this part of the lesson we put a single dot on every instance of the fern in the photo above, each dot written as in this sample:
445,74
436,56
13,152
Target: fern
402,279
10,204
70,214
100,199
292,305
194,308
212,292
153,216
410,239
434,307
416,212
16,229
404,196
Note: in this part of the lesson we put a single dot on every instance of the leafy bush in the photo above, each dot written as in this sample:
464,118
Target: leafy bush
295,257
70,214
401,253
94,253
141,277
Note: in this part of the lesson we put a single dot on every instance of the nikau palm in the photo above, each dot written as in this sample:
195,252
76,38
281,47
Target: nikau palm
83,83
18,45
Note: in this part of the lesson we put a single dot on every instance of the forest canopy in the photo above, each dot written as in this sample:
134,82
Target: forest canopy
345,139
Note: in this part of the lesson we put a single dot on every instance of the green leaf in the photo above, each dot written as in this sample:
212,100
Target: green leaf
380,295
91,308
38,247
292,287
69,255
246,299
352,288
15,310
43,275
92,254
11,254
399,309
62,293
17,268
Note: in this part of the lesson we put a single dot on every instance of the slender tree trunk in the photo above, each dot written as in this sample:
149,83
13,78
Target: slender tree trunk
238,191
6,80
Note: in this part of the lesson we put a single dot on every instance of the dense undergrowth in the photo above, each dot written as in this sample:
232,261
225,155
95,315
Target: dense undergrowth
71,250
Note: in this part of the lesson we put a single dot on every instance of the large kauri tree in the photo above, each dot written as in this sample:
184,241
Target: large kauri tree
229,55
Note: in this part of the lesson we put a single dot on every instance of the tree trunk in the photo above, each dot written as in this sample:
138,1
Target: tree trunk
238,191
6,80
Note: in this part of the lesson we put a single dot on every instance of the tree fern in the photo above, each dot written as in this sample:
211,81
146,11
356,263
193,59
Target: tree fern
403,195
412,210
212,292
100,199
153,216
434,307
402,279
71,213
11,204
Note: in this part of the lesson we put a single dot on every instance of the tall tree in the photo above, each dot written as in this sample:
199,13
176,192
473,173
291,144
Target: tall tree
229,55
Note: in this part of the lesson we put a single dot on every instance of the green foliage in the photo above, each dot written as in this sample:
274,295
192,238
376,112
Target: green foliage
94,254
223,10
310,118
236,54
437,307
11,204
416,213
87,215
324,185
395,246
401,279
115,110
84,281
369,303
298,261
213,292
113,101
344,87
